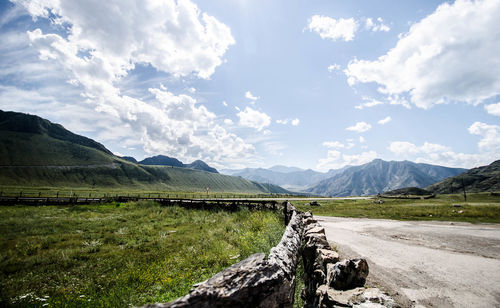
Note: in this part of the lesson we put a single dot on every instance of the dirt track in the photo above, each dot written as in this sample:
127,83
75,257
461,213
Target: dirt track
424,264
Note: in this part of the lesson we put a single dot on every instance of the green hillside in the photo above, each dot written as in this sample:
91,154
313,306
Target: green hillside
480,179
37,153
122,174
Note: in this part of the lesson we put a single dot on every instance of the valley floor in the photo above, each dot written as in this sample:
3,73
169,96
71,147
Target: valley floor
423,263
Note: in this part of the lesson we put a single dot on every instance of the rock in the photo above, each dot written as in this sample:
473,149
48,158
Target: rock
457,205
347,274
309,220
320,230
314,203
310,226
327,256
375,297
333,298
358,297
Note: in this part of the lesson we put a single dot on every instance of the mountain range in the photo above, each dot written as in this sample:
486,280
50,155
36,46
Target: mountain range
379,176
37,152
292,178
375,177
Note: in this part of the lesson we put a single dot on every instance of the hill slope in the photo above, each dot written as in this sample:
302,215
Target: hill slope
481,179
36,152
379,176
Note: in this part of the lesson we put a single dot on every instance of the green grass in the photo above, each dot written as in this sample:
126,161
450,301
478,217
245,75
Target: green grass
121,254
479,208
87,192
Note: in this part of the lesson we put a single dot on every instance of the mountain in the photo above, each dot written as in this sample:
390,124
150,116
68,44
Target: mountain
285,169
162,160
35,152
379,176
481,179
292,178
201,165
24,123
130,159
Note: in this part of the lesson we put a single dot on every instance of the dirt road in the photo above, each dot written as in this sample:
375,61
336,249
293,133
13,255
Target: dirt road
424,264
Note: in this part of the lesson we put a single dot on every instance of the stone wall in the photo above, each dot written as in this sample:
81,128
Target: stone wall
329,282
270,282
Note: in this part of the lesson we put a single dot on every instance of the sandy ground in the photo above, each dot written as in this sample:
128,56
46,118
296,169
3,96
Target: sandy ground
424,264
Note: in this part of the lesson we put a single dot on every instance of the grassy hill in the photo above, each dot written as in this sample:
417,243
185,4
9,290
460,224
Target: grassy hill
36,152
481,179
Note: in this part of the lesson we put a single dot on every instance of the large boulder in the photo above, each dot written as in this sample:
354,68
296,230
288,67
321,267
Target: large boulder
347,274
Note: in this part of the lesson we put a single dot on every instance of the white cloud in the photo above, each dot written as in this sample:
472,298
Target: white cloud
228,122
490,134
493,109
191,90
224,103
250,96
333,29
369,103
437,60
488,145
362,139
360,127
377,25
254,119
336,160
334,144
385,120
334,67
170,36
293,122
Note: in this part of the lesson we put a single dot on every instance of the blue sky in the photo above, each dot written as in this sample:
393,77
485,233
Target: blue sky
313,84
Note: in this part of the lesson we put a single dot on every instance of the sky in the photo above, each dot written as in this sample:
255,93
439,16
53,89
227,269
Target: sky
317,84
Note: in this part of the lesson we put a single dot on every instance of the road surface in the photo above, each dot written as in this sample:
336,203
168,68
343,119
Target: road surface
424,264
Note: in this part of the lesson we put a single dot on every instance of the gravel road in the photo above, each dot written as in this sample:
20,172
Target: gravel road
424,264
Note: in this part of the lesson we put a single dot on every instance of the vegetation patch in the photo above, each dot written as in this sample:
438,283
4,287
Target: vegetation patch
479,208
121,254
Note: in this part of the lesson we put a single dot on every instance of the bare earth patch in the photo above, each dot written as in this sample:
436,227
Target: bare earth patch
424,264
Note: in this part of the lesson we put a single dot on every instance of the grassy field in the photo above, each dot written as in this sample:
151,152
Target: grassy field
87,192
121,254
479,207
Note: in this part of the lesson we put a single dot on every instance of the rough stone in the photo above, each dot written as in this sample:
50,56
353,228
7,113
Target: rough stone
327,256
347,274
309,220
358,297
316,230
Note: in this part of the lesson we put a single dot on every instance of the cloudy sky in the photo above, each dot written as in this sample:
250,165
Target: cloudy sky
252,83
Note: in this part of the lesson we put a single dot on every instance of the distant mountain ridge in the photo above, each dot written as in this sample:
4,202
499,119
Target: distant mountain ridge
162,160
379,176
480,179
295,179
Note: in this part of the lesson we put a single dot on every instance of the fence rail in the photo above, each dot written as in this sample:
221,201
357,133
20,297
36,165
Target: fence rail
226,203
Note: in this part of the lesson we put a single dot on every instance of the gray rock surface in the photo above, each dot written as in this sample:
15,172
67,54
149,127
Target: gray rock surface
347,274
